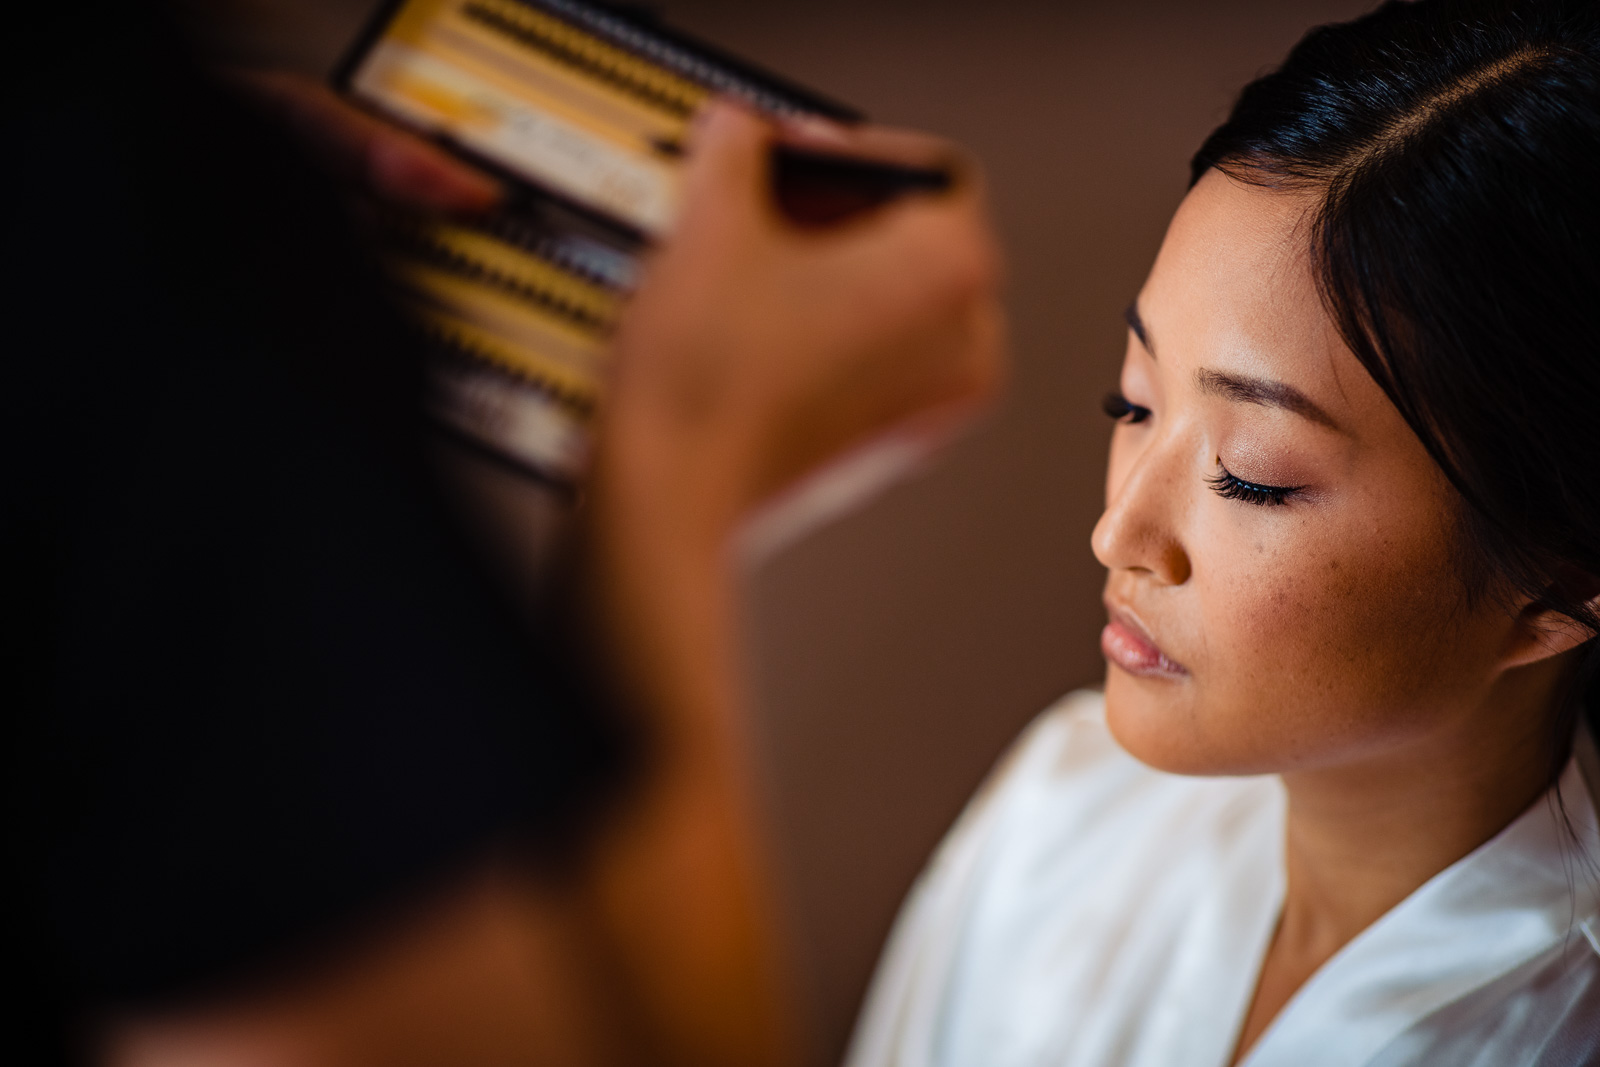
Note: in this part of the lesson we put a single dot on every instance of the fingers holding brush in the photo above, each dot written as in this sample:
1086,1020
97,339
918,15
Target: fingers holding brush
758,348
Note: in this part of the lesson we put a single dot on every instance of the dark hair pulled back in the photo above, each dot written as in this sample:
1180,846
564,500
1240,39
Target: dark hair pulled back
1455,145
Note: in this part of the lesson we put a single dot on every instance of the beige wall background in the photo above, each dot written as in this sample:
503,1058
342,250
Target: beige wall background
897,652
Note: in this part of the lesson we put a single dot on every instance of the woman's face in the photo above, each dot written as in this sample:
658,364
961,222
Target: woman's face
1283,586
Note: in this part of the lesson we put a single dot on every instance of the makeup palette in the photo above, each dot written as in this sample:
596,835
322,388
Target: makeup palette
583,111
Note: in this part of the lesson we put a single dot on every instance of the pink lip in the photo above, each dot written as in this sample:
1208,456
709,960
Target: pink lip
1126,643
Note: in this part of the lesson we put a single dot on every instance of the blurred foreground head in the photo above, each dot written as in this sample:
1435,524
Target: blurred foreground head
293,778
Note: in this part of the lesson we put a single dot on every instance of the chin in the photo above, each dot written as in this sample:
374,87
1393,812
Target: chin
1160,723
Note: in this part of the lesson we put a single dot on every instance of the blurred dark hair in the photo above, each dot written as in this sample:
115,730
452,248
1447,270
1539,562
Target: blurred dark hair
1455,145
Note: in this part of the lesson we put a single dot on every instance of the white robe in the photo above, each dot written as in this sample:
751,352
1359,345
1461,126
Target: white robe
1087,911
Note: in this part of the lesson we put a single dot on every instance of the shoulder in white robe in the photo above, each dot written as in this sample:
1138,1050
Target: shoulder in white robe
1088,911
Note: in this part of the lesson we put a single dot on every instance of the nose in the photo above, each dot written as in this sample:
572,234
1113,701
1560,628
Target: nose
1137,531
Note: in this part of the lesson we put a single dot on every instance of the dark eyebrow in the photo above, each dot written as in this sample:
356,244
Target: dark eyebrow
1246,390
1136,324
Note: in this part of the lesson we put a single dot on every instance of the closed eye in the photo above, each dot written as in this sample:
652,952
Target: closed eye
1230,487
1120,408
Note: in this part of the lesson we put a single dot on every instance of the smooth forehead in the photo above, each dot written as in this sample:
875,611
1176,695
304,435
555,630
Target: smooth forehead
1233,284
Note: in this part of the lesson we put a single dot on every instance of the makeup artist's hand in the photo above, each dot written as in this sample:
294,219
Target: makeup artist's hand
757,349
754,351
365,151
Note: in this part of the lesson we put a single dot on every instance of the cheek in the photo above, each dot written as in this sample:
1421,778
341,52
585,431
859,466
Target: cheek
1282,613
1309,642
1318,639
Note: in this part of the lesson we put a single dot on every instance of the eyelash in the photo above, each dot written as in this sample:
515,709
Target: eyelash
1229,487
1120,408
1225,484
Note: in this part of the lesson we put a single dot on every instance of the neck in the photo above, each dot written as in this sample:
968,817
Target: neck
1363,836
1367,833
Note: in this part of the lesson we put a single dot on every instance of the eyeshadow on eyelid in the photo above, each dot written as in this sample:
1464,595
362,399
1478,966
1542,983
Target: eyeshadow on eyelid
1259,463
